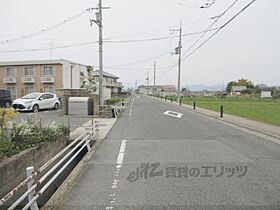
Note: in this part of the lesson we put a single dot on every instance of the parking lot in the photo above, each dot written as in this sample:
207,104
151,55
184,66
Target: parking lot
46,117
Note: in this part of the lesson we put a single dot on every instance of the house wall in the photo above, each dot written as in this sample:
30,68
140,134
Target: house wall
76,77
37,84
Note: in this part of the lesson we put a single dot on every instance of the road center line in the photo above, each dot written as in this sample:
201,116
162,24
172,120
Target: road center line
130,111
117,175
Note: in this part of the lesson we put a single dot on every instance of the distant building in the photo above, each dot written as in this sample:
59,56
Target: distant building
23,77
110,81
161,90
266,94
236,90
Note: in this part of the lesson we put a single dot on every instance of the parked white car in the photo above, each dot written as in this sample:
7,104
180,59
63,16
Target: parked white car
36,101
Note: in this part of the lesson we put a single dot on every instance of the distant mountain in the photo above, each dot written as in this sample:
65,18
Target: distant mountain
205,87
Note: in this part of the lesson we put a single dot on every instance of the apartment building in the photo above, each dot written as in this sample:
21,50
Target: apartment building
23,77
110,82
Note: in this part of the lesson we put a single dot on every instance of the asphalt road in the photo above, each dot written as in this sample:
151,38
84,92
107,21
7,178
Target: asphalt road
151,160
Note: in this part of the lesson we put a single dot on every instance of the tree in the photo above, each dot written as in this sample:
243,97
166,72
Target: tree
6,114
241,82
89,81
229,86
245,82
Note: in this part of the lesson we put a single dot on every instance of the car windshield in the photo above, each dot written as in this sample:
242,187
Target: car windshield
31,96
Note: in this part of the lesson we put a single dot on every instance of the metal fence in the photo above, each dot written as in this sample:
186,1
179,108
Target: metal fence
33,181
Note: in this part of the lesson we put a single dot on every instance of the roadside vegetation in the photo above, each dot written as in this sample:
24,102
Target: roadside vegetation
263,110
15,138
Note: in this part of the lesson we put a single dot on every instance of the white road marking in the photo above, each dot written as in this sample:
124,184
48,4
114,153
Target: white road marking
116,175
173,114
130,111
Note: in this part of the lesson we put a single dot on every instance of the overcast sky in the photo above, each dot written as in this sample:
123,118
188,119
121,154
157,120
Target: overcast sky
248,47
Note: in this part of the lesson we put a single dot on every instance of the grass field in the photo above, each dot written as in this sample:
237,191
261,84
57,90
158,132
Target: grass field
263,110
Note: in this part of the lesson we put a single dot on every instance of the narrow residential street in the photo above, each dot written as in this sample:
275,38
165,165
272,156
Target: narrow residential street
152,160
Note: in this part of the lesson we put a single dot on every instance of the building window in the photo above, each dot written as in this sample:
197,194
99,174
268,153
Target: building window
48,71
13,91
48,89
11,71
28,71
29,89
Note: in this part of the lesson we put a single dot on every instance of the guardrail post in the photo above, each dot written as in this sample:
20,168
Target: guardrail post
194,105
29,172
222,111
68,125
180,101
171,100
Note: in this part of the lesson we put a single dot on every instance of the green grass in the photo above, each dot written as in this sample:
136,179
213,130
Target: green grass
263,110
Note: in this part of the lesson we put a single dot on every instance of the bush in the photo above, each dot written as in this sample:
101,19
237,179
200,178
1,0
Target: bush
6,114
25,135
7,148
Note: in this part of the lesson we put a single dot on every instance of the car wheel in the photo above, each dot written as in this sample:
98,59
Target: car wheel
56,106
35,108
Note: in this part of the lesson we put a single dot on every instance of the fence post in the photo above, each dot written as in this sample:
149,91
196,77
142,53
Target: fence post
29,172
165,98
222,111
68,125
180,101
171,99
194,105
161,98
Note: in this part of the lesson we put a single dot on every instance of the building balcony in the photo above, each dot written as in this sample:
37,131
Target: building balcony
119,84
10,80
28,79
113,84
47,79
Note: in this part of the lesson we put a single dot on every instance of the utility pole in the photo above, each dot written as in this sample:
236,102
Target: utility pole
155,78
100,25
155,64
52,43
178,51
98,22
136,85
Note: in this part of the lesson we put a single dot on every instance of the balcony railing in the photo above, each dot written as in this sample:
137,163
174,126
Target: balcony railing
28,79
10,80
47,79
113,84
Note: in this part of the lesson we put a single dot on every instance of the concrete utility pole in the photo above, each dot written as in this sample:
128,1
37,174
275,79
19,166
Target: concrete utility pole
99,19
178,51
98,22
155,74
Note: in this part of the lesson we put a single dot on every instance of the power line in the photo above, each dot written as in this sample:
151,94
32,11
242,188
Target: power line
159,38
216,32
220,28
89,43
48,48
159,29
142,61
209,28
31,35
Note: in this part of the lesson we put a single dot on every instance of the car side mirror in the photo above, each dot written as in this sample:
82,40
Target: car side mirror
40,99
